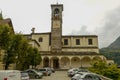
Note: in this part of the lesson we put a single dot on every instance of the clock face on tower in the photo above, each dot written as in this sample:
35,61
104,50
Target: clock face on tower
56,24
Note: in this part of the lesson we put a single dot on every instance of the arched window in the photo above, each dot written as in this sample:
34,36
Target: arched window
40,39
56,11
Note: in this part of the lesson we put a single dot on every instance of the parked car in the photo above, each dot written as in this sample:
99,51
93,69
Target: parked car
10,75
72,71
34,74
53,70
45,71
24,76
82,70
86,76
50,68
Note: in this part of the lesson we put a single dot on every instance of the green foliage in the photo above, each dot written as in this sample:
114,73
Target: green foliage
5,36
110,71
113,54
17,50
21,52
26,54
34,57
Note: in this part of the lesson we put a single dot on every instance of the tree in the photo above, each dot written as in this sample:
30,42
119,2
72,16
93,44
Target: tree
37,57
102,68
26,54
6,35
34,57
20,49
17,49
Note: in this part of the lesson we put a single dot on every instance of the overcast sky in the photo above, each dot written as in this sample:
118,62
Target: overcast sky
85,17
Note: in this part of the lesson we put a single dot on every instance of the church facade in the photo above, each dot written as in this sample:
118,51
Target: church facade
65,51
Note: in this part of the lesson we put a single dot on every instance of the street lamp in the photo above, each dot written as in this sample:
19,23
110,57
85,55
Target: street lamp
16,57
81,63
5,60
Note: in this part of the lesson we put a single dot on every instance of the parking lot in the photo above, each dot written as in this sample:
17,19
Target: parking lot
58,75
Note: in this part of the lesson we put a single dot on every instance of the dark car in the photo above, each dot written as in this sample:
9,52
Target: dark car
34,74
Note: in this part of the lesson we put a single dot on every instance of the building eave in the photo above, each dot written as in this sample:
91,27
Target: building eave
7,21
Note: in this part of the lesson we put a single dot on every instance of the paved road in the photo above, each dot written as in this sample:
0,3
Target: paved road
58,75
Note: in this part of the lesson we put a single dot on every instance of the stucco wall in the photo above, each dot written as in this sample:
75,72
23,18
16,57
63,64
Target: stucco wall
44,45
72,47
83,41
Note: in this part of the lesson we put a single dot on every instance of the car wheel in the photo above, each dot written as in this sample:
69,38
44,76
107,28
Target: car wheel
36,76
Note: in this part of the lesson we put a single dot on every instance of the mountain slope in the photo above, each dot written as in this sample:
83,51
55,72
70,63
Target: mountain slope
115,44
112,51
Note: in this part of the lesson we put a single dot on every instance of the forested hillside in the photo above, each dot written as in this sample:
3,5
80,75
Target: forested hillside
112,51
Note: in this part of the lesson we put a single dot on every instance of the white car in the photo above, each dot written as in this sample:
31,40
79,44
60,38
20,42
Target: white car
86,76
72,71
10,75
25,76
45,71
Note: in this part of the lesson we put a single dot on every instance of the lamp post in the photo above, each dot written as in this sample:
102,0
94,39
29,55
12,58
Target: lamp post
16,57
5,60
81,63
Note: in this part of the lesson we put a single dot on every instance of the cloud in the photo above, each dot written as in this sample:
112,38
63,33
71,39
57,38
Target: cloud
108,31
81,31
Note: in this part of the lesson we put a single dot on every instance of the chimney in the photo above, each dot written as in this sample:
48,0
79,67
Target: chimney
33,30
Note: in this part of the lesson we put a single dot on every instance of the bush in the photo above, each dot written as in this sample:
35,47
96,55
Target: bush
110,71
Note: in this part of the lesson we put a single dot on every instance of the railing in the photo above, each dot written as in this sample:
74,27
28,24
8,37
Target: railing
105,78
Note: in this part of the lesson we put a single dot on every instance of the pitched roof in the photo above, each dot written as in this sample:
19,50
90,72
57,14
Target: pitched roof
7,21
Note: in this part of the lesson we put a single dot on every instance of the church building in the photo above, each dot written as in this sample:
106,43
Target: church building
64,51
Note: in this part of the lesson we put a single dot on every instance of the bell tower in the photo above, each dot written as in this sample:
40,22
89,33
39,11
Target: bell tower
56,28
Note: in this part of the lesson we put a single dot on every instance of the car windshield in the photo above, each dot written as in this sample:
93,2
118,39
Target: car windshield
24,74
42,69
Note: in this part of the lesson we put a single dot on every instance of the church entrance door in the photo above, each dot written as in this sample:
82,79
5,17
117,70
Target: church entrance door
55,63
46,62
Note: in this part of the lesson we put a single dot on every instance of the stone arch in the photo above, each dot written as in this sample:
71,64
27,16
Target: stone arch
46,62
85,61
64,63
104,59
75,62
55,62
96,59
